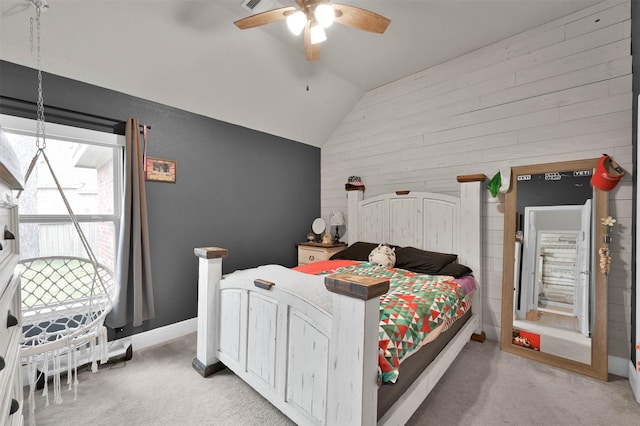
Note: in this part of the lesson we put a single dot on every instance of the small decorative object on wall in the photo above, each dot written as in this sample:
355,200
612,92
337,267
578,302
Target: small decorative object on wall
605,254
500,182
160,170
494,184
608,173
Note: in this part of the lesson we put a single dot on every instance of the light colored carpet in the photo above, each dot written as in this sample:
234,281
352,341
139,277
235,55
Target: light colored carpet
483,387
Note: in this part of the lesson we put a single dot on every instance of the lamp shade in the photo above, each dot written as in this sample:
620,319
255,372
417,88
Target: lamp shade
336,219
296,22
317,34
324,14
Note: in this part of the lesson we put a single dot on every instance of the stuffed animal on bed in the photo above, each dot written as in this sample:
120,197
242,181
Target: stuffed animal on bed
383,255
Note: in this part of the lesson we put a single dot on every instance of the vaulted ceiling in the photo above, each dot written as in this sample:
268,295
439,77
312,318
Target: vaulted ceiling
189,55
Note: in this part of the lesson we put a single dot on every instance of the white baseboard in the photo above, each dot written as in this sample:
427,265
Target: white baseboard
492,333
634,381
163,334
618,366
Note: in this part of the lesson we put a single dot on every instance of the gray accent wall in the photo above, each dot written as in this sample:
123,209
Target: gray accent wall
250,192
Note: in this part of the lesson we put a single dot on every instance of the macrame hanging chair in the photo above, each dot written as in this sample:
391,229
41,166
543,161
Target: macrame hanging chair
64,299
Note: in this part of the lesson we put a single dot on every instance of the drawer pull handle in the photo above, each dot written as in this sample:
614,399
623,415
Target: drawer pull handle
15,405
2,363
311,257
11,320
8,235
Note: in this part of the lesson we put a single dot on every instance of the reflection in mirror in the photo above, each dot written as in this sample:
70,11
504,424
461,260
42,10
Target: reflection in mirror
552,309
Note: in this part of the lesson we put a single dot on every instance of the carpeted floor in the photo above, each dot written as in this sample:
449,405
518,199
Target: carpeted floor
483,387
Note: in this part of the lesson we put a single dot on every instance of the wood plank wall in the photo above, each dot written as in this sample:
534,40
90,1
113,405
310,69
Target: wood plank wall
560,91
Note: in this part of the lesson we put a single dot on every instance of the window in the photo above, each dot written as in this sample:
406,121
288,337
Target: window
87,165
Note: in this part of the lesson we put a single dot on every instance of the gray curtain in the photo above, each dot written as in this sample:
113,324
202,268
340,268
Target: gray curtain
133,264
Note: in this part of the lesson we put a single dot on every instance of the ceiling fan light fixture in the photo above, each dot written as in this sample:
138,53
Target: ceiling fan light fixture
311,17
296,22
317,34
324,14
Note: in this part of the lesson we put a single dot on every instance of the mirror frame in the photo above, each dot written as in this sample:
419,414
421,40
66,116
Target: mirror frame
599,362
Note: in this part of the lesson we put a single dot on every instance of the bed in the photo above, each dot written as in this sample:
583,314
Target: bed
310,343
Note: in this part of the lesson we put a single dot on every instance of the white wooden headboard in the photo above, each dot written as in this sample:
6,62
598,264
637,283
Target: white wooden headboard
419,219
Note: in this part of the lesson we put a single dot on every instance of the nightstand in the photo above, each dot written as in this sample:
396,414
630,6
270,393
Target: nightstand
313,252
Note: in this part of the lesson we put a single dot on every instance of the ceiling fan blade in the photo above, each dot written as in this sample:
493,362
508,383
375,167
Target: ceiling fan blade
264,18
312,51
361,19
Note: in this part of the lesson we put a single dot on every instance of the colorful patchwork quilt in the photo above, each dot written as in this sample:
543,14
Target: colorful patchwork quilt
414,306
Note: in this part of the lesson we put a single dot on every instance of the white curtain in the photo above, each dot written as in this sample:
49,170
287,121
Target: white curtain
133,264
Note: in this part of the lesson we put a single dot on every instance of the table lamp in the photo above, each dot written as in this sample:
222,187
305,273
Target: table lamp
336,219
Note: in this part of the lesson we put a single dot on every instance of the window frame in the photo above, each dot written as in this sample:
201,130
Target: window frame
27,127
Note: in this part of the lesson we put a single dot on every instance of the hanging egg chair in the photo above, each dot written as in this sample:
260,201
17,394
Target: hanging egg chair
65,299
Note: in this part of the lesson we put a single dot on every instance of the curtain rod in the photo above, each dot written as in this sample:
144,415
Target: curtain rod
27,109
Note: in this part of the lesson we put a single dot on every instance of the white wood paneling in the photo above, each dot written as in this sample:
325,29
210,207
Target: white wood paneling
371,226
406,231
261,338
560,91
230,308
307,366
442,233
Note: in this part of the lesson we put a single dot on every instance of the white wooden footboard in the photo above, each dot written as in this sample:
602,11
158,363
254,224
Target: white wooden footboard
291,351
279,345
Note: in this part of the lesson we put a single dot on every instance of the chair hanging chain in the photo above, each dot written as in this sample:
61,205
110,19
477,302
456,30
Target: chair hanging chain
40,133
39,4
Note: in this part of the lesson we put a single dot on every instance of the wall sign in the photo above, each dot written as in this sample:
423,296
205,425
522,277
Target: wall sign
159,170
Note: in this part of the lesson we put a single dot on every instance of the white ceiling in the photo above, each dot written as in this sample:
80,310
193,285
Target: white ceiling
189,55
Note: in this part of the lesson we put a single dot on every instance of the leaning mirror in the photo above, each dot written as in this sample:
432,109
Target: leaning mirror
554,295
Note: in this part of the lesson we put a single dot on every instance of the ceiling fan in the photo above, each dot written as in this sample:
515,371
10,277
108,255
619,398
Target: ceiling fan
312,17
